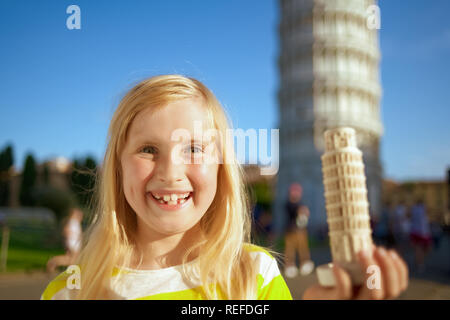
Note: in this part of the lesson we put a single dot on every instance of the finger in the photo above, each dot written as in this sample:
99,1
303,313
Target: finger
390,277
398,267
372,288
343,282
402,269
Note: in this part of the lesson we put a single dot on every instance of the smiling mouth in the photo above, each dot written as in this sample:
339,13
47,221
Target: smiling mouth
172,199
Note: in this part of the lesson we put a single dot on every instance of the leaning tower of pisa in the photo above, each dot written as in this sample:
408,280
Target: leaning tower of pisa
329,77
346,199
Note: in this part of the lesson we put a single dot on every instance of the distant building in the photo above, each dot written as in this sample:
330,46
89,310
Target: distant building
329,77
59,170
433,193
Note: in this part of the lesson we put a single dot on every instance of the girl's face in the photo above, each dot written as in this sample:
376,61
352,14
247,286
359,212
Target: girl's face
168,196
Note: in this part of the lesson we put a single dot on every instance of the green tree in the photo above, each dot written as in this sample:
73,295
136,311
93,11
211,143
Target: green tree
29,175
261,193
6,163
57,200
46,174
83,179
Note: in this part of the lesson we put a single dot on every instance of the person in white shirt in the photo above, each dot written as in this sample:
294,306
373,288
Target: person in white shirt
420,234
72,233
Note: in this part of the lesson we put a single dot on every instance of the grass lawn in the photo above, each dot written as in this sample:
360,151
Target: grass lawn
30,247
29,259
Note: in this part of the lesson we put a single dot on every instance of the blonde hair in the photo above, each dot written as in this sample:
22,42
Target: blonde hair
222,259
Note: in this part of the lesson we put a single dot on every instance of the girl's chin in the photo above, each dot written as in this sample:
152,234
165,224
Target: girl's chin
168,227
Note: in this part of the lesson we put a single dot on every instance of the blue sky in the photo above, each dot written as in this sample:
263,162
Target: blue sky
59,87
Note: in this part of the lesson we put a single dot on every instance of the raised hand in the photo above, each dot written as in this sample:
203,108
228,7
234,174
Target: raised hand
389,280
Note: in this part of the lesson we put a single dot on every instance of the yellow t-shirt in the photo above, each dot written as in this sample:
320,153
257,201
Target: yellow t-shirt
169,283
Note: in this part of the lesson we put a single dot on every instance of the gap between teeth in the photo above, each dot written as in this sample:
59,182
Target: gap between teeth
172,202
172,199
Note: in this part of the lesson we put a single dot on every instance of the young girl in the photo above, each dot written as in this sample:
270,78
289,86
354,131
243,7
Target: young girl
172,218
72,239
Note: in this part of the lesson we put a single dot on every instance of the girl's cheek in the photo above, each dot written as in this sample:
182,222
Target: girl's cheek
204,180
142,168
137,170
205,173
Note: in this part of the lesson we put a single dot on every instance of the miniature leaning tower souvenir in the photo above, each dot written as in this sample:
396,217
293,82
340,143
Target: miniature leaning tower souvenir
346,204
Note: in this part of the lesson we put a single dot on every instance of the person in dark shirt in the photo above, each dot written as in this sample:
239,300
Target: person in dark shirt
296,238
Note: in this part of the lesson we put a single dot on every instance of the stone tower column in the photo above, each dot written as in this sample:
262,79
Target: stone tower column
329,77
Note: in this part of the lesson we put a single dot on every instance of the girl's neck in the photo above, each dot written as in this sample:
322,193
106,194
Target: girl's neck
159,251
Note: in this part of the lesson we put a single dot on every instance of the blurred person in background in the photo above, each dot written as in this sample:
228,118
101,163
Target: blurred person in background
400,227
420,234
296,238
437,234
72,234
383,229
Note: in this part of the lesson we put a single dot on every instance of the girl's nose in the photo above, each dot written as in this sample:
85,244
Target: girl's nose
168,171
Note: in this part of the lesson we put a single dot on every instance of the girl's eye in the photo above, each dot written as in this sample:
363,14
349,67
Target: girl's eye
195,149
148,149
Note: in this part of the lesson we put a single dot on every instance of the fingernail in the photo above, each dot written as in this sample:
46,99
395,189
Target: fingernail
382,251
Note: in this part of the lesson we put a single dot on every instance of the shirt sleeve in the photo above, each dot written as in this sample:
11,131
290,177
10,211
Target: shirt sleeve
57,289
271,284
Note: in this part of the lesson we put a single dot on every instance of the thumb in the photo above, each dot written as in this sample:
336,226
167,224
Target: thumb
342,290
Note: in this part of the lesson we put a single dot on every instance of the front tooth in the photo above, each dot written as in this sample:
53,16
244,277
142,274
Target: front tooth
174,197
172,202
166,197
